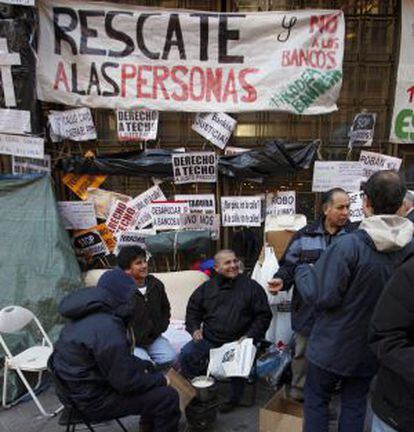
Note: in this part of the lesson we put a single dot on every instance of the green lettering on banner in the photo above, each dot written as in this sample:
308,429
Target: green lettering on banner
402,124
302,93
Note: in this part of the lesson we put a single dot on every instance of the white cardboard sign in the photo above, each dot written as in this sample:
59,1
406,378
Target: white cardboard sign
124,55
142,204
121,217
199,203
77,214
281,203
331,174
216,127
241,211
22,146
167,214
356,213
22,165
137,125
76,125
130,238
195,167
200,221
15,121
373,162
20,2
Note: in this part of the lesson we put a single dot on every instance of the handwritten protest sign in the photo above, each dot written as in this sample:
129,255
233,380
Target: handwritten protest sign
373,162
79,183
166,214
23,146
199,203
201,221
179,60
216,127
195,167
137,125
241,211
121,217
281,203
402,124
77,214
142,204
20,2
331,174
131,238
76,125
356,213
22,165
15,121
362,130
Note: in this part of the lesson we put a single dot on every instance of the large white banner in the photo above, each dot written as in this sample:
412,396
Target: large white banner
402,126
123,56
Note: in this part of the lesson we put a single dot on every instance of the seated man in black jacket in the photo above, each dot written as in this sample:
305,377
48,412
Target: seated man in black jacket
152,311
93,358
224,309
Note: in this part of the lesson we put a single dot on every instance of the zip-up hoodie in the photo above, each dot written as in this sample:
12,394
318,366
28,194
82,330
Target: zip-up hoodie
344,286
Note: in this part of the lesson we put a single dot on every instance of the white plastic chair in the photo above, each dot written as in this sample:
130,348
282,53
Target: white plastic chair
34,359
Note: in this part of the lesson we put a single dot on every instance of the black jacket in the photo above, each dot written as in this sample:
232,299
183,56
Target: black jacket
93,355
306,246
229,309
392,339
152,311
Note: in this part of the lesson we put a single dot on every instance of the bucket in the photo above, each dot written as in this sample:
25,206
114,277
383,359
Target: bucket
204,387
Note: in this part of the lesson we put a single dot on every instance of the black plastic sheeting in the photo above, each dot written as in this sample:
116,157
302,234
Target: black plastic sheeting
17,26
271,159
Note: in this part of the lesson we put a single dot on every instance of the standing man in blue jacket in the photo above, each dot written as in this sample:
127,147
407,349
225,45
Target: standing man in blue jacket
306,246
344,286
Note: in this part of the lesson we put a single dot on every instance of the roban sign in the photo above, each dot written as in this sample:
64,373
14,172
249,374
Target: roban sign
107,55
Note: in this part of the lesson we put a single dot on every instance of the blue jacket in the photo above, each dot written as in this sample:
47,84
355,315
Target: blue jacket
344,286
93,355
306,246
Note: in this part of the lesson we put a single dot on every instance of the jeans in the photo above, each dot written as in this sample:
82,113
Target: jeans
319,388
159,352
194,359
379,426
299,364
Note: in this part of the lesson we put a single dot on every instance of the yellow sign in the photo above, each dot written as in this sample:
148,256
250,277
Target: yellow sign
79,183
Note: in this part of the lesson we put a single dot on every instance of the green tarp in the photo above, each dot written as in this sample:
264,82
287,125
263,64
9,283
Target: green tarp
37,263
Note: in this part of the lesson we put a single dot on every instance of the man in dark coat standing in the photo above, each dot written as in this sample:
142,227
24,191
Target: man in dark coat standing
224,309
93,357
344,286
152,308
392,340
307,246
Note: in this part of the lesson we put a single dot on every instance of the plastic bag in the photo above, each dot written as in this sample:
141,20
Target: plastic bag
234,359
273,363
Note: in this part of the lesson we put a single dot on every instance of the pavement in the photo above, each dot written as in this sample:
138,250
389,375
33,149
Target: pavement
25,417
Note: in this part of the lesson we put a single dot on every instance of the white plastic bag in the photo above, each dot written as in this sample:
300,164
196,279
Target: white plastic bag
280,328
234,359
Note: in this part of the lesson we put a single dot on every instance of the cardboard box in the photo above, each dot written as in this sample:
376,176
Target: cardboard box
185,390
281,415
279,241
